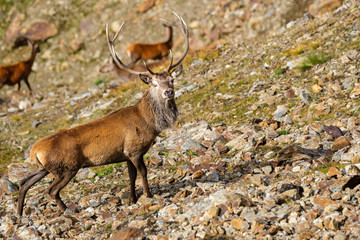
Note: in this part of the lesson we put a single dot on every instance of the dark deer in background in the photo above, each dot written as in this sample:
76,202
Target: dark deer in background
122,136
13,74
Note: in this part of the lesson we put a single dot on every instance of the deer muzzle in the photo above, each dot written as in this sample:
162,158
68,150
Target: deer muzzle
169,94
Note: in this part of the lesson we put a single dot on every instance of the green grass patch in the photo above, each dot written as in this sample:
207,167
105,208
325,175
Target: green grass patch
5,7
228,82
105,171
311,60
208,55
8,154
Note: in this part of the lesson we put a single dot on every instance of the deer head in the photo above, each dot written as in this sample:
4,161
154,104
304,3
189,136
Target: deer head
162,84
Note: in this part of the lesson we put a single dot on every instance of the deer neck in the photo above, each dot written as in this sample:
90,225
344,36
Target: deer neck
32,57
159,113
169,41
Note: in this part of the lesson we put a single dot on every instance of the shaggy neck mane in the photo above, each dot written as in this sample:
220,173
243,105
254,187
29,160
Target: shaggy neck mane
164,111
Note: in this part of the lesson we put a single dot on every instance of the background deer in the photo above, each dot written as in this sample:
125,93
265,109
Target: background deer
124,135
13,74
147,51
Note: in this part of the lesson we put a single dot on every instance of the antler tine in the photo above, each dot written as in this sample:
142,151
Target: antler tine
147,68
184,29
168,22
118,32
113,54
171,60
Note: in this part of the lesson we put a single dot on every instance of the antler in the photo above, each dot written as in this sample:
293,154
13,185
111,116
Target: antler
114,56
147,68
171,61
184,29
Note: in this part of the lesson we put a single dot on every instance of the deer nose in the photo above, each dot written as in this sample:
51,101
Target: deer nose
169,93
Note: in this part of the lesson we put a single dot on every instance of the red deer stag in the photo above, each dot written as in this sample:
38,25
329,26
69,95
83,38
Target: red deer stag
147,51
13,74
122,136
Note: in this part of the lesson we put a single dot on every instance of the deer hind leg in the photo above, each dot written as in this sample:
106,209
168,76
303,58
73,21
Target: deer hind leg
132,174
58,184
140,166
26,184
133,59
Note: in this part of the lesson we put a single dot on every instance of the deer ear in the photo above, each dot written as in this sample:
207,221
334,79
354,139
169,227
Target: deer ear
145,78
177,71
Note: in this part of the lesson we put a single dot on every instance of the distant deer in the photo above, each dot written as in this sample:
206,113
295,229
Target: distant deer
13,74
122,136
147,51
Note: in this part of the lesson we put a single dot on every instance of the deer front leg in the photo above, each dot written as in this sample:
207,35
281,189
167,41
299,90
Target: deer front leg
140,166
132,174
28,84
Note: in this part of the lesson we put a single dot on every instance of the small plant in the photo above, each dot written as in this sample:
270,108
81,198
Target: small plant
311,60
314,45
325,168
99,81
118,165
43,182
279,71
108,227
191,153
296,51
282,132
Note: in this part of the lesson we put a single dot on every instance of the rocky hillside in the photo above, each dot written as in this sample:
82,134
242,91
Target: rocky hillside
266,146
